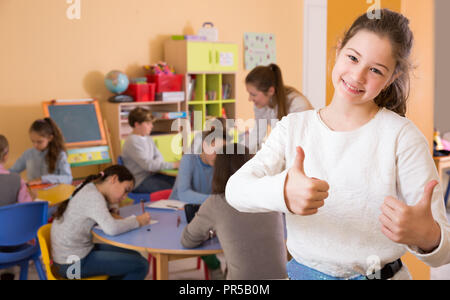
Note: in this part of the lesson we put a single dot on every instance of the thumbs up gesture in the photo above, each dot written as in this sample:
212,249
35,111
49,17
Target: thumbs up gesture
303,195
411,225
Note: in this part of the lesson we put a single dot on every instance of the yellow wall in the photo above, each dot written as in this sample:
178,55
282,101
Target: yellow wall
44,55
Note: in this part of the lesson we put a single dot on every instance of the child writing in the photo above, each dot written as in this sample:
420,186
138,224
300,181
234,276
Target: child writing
88,206
47,161
13,188
250,253
272,100
142,157
355,179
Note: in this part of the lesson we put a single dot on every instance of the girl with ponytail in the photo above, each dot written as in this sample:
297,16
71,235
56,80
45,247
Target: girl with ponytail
356,178
74,219
47,161
272,100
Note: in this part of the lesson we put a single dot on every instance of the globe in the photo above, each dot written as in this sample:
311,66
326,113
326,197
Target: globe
116,82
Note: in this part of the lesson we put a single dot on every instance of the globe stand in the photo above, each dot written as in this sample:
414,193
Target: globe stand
120,98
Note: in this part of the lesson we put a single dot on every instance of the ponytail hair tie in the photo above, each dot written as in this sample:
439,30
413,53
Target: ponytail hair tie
102,174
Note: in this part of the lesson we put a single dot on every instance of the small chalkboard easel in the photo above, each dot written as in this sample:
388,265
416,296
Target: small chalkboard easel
84,130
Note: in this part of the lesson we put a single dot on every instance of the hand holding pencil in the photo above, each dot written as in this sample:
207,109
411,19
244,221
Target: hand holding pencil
143,219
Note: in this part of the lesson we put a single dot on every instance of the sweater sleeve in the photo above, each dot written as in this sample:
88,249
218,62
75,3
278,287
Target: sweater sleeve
415,169
197,231
62,174
259,185
158,158
184,184
20,165
299,103
143,156
97,210
23,196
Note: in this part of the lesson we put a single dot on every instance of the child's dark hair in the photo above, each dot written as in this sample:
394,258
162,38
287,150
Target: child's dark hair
226,165
265,77
140,115
394,26
122,173
47,128
4,147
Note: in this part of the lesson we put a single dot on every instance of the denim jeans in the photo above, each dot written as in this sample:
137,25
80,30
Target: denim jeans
297,271
155,182
117,263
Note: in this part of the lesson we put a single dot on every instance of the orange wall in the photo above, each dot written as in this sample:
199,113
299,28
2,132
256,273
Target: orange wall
44,55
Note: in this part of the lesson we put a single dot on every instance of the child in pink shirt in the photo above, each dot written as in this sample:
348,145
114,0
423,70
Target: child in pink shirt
12,188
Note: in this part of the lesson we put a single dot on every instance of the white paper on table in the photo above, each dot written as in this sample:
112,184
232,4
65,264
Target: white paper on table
167,204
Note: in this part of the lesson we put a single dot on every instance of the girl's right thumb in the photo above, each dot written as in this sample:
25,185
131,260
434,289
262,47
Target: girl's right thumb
299,160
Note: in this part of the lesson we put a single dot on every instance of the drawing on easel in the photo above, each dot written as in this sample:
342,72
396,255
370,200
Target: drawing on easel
260,49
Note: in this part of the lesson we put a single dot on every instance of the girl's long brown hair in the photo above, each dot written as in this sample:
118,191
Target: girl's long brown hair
226,165
48,128
394,26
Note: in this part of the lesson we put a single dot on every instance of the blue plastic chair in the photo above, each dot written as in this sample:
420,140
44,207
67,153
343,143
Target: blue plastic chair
19,224
447,192
136,197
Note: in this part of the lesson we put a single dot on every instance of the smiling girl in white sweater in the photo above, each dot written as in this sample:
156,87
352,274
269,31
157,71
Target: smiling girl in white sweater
355,179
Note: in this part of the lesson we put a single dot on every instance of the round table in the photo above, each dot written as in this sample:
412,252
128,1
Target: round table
162,240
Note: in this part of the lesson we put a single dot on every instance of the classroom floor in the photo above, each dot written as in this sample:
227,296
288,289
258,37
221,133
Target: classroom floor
186,269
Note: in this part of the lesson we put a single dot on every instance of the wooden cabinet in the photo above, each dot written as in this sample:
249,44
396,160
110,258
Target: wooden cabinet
213,67
189,56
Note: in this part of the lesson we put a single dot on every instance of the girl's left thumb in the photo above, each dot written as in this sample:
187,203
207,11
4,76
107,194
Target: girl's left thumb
428,193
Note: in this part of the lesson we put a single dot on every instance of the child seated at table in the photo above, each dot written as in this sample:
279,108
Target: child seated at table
13,188
193,183
71,236
253,244
141,156
47,161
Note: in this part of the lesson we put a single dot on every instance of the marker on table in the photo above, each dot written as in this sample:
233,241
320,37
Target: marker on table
178,221
143,206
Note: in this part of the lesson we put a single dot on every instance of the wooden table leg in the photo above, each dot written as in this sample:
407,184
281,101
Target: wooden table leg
162,266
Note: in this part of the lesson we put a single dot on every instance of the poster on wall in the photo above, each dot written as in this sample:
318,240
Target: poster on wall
260,49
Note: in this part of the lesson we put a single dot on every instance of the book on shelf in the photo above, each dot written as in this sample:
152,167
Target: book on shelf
170,96
191,89
169,115
226,91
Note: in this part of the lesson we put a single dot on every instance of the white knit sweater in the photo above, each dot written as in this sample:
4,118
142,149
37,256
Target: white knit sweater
388,156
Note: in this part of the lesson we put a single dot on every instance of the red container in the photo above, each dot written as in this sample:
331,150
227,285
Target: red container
167,83
142,92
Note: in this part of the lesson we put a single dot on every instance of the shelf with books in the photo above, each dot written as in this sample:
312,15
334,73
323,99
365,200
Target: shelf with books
210,84
116,115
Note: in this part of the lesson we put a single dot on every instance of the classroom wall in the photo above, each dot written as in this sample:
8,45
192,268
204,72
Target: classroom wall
44,55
